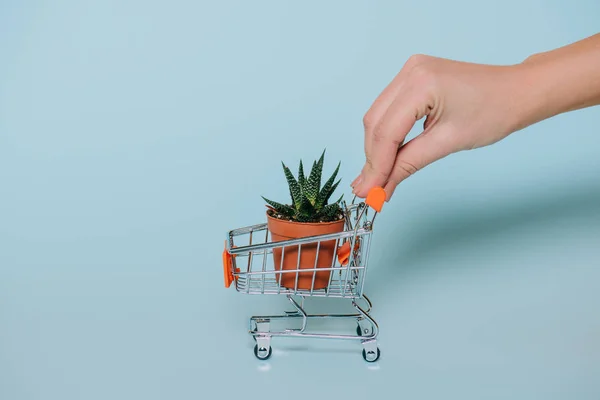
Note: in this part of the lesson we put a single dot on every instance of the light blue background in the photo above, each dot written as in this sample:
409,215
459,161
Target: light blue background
134,134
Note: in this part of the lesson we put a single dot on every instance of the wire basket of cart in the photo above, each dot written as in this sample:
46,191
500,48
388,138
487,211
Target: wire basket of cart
332,265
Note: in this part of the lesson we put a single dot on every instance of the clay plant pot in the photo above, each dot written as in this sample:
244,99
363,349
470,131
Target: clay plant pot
284,230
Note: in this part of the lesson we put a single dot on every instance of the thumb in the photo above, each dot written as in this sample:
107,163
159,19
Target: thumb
414,156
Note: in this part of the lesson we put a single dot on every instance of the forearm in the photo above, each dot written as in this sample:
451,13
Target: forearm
561,80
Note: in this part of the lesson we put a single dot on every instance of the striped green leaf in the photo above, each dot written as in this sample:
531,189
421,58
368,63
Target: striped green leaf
301,177
282,209
328,189
314,180
295,192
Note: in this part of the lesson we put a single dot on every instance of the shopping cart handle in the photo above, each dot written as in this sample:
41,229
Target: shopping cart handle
376,198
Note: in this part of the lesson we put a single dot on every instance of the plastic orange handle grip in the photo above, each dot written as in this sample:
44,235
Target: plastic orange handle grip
376,198
227,269
344,252
228,275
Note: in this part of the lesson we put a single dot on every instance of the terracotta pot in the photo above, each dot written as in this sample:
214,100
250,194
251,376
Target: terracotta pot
284,230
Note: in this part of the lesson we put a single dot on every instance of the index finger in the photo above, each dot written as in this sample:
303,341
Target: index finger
385,143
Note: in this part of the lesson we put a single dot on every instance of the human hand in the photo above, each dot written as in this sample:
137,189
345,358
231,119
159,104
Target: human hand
465,106
468,105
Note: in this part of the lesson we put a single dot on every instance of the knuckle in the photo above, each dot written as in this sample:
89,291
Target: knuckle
406,168
368,121
416,59
377,172
422,75
421,72
379,136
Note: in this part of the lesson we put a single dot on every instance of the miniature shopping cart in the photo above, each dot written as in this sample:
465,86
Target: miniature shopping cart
249,263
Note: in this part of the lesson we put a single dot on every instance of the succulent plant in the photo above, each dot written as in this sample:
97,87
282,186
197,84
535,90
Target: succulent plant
310,201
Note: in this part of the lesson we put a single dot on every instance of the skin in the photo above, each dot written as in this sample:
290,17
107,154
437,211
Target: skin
467,106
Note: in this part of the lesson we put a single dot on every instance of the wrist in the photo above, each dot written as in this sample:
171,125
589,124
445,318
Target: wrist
554,83
538,93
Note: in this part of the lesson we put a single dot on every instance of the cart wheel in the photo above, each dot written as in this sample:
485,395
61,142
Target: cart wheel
262,353
371,356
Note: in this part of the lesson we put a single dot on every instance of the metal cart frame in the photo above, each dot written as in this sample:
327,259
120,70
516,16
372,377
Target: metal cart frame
248,264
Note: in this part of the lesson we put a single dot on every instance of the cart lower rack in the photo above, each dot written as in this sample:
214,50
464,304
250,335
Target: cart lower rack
332,265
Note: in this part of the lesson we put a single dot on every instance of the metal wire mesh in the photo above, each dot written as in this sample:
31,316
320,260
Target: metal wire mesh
257,272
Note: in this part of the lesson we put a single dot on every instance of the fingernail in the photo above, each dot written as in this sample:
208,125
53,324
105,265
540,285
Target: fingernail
357,181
